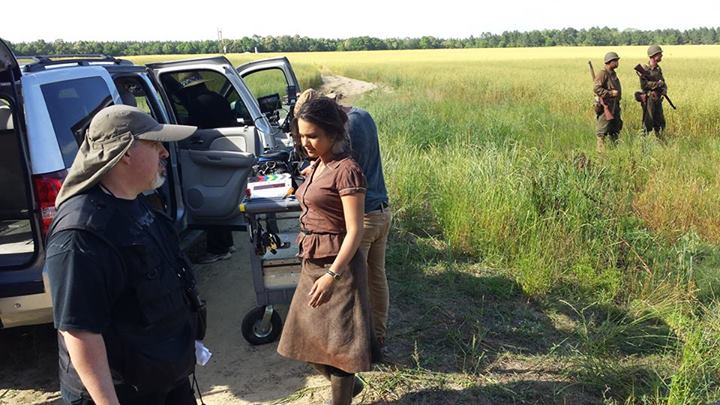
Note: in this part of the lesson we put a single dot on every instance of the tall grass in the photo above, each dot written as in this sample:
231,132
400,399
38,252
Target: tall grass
698,378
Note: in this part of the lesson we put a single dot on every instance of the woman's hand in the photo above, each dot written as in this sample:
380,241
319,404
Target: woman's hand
322,290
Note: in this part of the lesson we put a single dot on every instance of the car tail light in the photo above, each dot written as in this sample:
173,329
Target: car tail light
47,187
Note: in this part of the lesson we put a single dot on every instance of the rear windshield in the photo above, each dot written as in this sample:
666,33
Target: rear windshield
71,104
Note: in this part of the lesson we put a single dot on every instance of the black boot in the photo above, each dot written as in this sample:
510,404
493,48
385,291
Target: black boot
342,389
324,370
357,387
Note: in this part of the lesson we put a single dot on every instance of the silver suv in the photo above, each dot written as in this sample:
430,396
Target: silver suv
46,105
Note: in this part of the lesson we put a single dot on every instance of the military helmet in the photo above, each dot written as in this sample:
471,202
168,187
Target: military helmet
654,50
611,56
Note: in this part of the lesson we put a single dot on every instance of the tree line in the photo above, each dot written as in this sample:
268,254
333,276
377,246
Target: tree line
596,36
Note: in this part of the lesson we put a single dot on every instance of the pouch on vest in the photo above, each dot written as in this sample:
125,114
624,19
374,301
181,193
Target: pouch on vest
597,107
197,304
199,310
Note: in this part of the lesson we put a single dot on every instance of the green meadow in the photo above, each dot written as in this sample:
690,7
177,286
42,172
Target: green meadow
526,267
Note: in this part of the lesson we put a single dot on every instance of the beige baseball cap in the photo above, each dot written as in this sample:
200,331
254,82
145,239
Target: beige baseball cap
111,133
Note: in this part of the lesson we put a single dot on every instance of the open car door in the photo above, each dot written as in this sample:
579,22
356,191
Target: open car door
275,86
217,160
19,236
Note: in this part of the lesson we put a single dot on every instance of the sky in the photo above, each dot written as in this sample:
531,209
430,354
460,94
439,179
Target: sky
73,20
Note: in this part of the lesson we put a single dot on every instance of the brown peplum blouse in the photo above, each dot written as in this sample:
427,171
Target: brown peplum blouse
322,222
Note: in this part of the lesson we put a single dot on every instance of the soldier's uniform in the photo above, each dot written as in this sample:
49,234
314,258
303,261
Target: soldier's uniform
606,81
653,88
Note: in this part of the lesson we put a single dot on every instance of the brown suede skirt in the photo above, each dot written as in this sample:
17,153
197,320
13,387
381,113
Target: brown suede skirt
337,333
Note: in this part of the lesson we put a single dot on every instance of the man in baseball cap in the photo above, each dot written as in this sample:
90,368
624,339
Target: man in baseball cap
124,298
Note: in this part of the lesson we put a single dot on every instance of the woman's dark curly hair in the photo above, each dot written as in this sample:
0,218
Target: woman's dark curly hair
326,114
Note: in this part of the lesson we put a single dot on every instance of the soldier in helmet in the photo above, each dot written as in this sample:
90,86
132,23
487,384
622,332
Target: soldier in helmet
654,88
607,87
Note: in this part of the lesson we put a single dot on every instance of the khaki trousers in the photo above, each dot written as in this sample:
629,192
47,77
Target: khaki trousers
377,228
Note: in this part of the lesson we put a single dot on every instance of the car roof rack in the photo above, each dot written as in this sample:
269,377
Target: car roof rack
41,62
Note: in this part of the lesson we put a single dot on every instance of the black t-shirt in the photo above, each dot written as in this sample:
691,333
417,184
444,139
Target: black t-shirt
86,275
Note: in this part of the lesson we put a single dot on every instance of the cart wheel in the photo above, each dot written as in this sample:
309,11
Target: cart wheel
253,331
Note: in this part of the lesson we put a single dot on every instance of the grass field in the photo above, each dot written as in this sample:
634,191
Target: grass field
525,267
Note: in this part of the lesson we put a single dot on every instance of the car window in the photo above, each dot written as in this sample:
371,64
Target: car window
205,98
132,92
266,82
238,106
71,105
268,86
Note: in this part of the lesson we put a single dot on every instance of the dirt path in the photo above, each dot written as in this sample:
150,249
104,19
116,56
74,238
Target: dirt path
350,89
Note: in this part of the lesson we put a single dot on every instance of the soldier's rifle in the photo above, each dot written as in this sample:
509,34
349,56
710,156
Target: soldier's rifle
644,74
606,109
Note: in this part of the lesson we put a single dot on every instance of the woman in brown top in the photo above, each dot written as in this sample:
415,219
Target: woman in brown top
328,324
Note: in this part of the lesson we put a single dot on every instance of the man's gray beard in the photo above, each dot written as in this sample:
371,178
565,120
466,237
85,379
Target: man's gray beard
159,180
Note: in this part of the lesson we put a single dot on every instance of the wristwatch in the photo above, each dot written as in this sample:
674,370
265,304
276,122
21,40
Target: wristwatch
332,274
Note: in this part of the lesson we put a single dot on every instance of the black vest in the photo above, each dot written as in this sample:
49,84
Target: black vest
150,341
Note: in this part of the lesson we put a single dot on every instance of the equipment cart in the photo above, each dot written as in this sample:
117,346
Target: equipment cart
274,263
